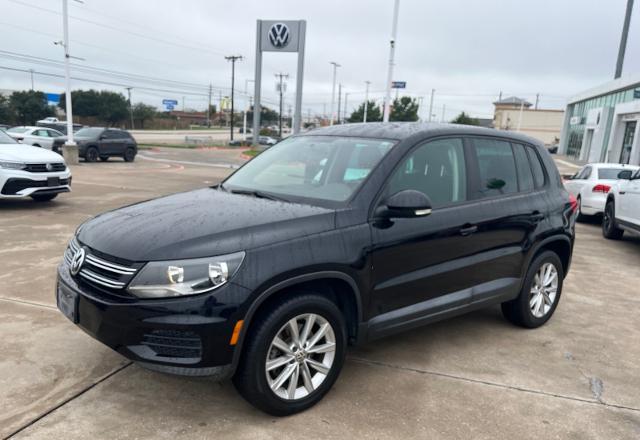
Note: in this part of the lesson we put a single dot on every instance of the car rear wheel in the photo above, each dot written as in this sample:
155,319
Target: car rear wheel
293,355
609,228
43,197
540,292
129,155
91,155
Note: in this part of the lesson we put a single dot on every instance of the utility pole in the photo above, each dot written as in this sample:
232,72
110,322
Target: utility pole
244,119
366,101
183,98
233,59
444,109
392,49
209,108
31,72
333,91
339,99
537,100
623,39
346,98
433,91
280,76
130,106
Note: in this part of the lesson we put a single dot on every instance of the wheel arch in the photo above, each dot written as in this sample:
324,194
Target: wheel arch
561,245
338,286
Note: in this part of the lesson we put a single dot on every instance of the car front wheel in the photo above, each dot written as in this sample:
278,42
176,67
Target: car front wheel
540,292
293,355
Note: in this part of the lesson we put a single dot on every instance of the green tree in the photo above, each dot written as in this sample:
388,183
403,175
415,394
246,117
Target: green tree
85,102
267,116
6,114
373,113
143,112
465,119
109,107
29,106
404,109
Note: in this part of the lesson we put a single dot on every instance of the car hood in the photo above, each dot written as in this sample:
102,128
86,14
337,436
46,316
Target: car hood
200,223
28,154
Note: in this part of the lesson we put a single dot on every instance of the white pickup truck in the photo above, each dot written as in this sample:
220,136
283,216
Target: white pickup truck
622,209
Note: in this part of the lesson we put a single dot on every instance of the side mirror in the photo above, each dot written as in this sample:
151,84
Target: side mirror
625,174
406,204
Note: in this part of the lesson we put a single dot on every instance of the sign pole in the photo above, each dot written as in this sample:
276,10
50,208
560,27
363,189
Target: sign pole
297,115
257,84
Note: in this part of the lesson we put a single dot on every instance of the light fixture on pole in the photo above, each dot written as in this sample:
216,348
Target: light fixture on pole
392,48
366,101
333,92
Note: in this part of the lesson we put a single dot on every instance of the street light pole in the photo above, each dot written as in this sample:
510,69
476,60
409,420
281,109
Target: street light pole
623,39
69,144
244,123
130,106
392,49
31,71
339,99
346,98
333,92
281,76
433,91
233,59
366,101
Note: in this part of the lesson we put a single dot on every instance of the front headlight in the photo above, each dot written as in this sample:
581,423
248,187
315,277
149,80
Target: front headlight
161,279
12,165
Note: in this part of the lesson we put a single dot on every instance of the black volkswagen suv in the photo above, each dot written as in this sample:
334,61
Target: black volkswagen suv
101,143
335,237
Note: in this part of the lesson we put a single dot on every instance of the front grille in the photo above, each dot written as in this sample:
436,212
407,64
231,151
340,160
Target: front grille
14,186
42,167
173,343
101,273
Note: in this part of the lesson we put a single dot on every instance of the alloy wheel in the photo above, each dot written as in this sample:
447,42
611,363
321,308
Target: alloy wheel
544,290
300,356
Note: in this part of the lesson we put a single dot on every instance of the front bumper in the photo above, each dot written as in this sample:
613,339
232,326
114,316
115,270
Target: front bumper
18,183
186,336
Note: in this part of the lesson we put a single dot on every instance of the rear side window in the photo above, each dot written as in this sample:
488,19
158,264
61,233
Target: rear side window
536,167
609,173
497,167
525,175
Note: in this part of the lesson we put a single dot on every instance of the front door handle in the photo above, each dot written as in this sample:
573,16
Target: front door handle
468,230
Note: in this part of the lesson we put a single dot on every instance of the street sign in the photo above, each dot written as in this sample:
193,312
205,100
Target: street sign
170,102
398,84
169,106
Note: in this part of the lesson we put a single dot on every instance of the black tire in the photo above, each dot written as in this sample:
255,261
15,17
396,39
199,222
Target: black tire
91,154
43,197
36,145
518,311
609,228
104,158
250,378
129,155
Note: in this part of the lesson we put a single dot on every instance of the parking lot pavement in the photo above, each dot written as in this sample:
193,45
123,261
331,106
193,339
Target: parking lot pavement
475,376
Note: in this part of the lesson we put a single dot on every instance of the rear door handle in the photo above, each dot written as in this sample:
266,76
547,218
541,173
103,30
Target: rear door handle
468,230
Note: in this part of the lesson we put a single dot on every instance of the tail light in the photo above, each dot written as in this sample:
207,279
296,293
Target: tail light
573,202
600,188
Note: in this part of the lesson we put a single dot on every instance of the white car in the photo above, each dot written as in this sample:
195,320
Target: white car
27,171
591,185
48,120
622,210
36,136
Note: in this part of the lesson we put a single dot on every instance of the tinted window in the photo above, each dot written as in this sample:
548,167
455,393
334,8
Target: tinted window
90,132
497,167
437,169
536,166
54,133
525,176
609,173
110,134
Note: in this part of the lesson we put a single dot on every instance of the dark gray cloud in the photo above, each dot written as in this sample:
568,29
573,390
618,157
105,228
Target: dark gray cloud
467,50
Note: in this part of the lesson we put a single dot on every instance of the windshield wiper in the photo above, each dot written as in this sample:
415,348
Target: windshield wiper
258,194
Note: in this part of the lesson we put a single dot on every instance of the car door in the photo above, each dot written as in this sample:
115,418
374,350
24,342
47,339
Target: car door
109,143
41,138
577,184
425,265
628,201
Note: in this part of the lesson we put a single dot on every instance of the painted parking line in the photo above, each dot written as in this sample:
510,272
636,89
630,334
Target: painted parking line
186,162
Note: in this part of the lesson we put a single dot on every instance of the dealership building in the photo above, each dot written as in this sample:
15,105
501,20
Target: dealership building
602,124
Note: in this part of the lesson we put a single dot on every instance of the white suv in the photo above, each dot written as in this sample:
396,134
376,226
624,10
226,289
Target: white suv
622,211
34,172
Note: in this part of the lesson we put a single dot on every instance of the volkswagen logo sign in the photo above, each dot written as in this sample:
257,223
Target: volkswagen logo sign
279,35
77,261
49,167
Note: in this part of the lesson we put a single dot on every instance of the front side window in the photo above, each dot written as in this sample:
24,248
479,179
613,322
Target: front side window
329,168
436,169
497,167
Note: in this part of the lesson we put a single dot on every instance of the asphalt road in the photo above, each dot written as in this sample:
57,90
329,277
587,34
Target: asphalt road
475,376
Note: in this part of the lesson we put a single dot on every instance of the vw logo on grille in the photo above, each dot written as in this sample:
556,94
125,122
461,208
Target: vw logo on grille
279,35
77,261
49,167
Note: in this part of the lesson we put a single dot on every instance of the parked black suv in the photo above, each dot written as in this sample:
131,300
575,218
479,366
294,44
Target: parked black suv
101,143
341,235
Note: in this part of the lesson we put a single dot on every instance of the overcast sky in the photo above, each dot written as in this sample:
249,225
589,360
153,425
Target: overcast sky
467,50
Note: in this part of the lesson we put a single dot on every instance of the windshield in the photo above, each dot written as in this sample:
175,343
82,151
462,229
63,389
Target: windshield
319,167
17,130
609,173
6,139
89,132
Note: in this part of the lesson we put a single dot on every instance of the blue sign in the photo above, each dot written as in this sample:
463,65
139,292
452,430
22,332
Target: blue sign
170,102
53,98
398,84
169,106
